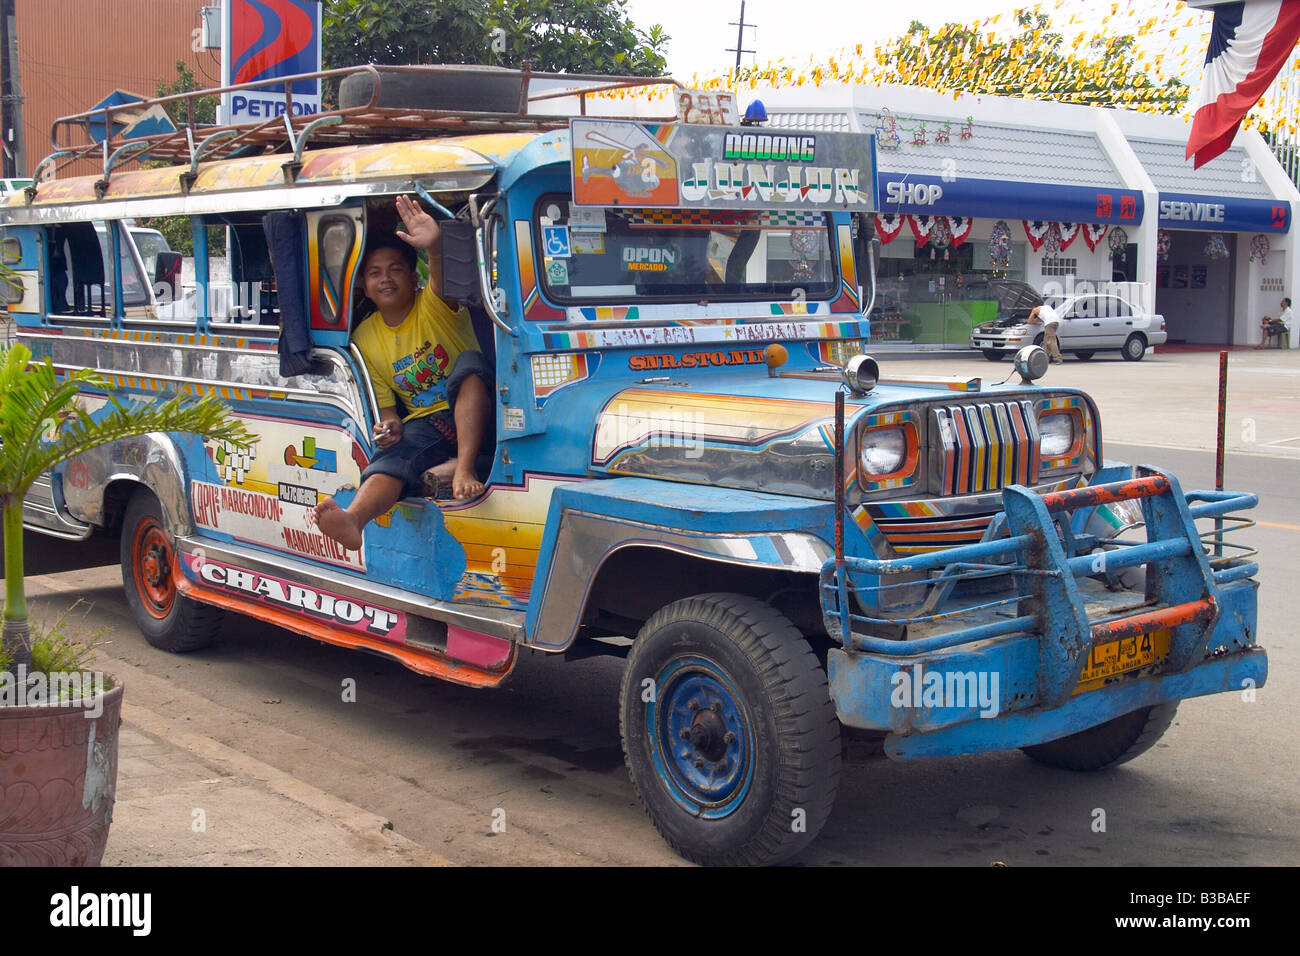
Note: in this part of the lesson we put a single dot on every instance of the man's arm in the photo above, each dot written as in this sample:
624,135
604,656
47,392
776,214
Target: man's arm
423,233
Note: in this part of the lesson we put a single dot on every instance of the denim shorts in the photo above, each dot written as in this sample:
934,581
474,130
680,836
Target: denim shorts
430,439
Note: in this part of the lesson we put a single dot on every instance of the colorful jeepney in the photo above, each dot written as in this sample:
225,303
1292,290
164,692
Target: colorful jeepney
694,465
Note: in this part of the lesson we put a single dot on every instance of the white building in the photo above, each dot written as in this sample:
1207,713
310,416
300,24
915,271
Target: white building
1187,242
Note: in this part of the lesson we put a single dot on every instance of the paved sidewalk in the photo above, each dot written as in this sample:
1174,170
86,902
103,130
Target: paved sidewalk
184,799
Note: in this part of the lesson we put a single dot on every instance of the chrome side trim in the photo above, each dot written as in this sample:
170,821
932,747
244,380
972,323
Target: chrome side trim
202,366
42,513
495,622
585,541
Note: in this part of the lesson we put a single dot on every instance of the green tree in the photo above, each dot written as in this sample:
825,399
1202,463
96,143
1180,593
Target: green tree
575,36
42,426
204,107
403,31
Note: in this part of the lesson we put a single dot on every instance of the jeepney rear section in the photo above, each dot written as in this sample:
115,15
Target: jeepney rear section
1030,635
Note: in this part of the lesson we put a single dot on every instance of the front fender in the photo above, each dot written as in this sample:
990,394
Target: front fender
590,521
151,460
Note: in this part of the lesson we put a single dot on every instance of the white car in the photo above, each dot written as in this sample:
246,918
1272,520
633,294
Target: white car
1090,323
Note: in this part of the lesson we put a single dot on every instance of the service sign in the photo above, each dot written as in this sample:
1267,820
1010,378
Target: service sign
265,39
625,163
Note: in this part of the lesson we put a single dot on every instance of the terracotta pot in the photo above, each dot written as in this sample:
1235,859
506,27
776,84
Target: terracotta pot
58,777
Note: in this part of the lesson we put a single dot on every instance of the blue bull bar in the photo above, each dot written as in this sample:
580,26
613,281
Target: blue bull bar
1044,575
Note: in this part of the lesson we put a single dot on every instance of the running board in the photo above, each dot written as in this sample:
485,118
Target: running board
474,646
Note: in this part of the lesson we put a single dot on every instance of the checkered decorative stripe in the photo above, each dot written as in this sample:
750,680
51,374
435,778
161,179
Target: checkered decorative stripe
712,218
839,352
552,370
233,463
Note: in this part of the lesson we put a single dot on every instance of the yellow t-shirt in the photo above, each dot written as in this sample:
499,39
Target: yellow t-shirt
413,360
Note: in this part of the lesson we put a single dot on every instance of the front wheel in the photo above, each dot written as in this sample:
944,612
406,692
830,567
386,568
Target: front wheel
729,732
1134,348
1110,744
993,355
168,619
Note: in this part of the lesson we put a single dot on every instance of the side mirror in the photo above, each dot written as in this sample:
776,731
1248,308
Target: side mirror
167,272
460,280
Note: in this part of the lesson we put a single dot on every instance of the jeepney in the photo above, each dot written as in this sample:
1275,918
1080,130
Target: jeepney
696,467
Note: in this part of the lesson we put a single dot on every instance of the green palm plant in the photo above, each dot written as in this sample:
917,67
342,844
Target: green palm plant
41,426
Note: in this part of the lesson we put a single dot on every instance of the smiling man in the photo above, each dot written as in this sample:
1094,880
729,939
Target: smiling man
421,352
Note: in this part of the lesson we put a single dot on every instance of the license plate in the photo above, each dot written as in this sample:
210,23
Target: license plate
1122,656
983,343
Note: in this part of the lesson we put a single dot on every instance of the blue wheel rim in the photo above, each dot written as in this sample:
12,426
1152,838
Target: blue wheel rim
701,737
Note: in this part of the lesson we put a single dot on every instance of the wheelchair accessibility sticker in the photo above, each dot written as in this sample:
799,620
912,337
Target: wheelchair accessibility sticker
555,242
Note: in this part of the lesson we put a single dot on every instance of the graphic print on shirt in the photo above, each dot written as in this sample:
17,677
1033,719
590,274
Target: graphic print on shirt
419,377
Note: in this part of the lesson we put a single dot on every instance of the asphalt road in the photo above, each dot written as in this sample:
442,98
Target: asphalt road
439,760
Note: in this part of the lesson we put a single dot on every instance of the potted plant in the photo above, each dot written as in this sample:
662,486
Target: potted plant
58,722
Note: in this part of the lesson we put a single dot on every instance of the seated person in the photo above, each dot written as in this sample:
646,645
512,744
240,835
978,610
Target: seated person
1272,330
416,348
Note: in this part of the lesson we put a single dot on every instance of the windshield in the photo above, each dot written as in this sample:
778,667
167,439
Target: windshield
592,254
150,243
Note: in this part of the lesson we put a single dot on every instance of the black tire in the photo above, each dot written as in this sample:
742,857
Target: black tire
753,678
1135,346
1038,340
487,90
1107,745
168,619
993,355
1084,356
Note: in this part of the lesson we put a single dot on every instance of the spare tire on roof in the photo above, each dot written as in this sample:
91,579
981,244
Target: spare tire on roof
482,89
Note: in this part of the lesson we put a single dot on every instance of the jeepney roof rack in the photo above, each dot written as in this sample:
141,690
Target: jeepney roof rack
366,122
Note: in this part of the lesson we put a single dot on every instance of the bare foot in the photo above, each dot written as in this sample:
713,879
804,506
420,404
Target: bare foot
464,484
337,524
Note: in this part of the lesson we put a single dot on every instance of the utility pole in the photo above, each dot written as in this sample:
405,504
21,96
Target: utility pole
12,161
740,36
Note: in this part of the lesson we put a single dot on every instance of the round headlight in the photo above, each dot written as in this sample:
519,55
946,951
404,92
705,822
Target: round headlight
1032,363
1056,435
861,373
883,451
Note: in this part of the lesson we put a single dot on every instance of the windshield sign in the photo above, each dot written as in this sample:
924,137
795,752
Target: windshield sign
682,255
619,163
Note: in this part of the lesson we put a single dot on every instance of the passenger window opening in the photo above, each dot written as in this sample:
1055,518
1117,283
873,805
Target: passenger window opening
254,300
336,236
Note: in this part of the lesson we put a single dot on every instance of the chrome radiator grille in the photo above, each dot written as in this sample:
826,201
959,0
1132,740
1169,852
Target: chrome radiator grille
986,446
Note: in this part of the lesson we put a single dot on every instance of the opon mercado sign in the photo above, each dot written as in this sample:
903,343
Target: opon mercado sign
265,40
625,163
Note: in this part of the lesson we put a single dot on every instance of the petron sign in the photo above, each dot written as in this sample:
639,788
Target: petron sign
625,163
263,40
1000,199
1223,213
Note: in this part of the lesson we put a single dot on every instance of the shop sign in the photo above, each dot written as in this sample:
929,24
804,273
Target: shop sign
1223,213
912,194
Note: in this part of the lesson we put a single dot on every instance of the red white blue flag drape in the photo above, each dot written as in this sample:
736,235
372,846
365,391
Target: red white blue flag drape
1249,45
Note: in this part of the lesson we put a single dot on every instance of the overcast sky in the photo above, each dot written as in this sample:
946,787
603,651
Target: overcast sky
789,28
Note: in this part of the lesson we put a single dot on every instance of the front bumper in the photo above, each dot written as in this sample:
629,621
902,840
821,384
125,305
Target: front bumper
1010,677
1001,341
